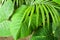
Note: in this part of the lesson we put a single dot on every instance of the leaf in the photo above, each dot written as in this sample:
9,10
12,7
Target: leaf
19,14
51,14
4,29
54,4
57,32
43,15
41,38
29,2
24,30
28,12
17,19
47,14
30,18
42,34
56,18
6,10
37,16
24,26
55,13
57,1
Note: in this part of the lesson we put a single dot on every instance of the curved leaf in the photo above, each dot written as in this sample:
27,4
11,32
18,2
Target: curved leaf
47,14
30,18
51,14
43,15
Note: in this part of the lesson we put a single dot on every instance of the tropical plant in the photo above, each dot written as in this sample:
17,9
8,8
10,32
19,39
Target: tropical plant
39,18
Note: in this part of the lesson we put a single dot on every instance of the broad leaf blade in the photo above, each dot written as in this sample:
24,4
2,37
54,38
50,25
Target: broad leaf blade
4,29
6,10
25,31
17,21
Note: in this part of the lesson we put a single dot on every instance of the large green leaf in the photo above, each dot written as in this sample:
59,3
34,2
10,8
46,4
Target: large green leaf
17,19
5,12
30,18
24,30
24,26
4,29
17,27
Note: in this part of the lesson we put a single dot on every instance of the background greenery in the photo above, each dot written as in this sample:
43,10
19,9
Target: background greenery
39,18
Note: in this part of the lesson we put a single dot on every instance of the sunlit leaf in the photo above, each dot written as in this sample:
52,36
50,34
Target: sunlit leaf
17,20
4,29
6,10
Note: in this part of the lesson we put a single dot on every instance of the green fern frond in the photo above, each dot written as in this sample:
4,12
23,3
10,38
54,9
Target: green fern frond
47,14
43,15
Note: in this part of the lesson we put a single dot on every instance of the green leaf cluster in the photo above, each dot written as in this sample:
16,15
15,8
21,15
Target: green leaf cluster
39,18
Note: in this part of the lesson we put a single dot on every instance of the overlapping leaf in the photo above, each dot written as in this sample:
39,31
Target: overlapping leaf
4,29
47,13
17,19
5,12
25,19
24,31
